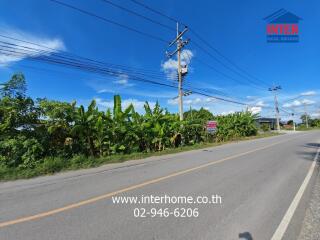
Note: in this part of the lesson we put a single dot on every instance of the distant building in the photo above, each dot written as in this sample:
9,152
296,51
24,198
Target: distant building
271,122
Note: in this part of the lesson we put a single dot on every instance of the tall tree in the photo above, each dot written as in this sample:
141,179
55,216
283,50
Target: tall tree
16,87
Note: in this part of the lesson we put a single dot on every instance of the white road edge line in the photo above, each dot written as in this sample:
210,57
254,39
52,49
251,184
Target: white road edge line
279,233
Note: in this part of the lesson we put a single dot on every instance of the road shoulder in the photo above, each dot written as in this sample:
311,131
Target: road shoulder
310,227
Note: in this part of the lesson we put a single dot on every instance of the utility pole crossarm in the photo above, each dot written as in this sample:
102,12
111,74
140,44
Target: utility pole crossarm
179,35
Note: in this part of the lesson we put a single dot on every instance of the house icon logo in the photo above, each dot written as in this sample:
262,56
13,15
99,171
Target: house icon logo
282,26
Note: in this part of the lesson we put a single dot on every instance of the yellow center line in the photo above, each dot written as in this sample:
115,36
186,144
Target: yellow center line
133,187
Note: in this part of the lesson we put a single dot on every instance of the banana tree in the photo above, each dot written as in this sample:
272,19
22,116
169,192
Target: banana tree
122,134
84,125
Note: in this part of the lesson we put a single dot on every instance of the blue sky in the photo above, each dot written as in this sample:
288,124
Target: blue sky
235,28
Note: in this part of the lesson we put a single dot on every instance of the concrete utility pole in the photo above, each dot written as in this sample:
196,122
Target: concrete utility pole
276,105
180,45
306,115
179,75
293,123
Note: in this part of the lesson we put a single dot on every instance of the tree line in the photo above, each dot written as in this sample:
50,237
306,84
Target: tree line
39,136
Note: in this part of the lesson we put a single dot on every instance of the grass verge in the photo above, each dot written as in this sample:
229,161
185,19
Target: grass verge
51,165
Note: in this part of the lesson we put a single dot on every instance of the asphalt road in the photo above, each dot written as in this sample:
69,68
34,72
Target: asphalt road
257,181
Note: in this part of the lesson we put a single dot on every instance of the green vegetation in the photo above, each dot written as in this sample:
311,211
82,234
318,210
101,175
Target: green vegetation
265,127
302,127
43,137
312,122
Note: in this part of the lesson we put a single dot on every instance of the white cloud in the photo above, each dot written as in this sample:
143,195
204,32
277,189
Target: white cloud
110,85
227,112
251,97
195,102
105,90
261,104
123,79
298,103
104,103
171,65
308,102
295,103
255,109
138,105
186,56
50,45
188,102
315,115
308,93
210,100
173,101
170,68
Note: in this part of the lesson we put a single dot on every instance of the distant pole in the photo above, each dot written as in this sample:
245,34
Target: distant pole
294,124
306,115
277,111
276,104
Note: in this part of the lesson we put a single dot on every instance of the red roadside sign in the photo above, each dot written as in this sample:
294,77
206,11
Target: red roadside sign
211,126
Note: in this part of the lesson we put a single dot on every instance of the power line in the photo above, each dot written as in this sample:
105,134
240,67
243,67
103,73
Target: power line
97,70
224,57
156,11
73,64
59,60
138,15
226,66
216,70
65,55
222,99
153,21
292,99
109,21
208,44
281,109
217,91
149,19
37,51
222,73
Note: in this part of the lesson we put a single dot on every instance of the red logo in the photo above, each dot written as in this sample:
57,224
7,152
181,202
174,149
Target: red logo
282,26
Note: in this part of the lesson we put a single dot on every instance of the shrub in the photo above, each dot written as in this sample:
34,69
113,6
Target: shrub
78,160
20,152
265,127
33,151
11,151
233,126
51,165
